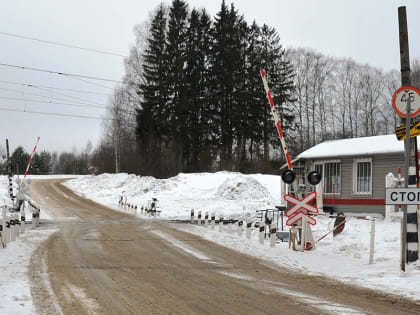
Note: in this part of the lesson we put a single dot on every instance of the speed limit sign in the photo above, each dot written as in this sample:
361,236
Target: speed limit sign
402,96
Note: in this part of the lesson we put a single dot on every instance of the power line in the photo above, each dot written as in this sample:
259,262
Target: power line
60,73
54,88
45,96
53,114
68,96
93,83
50,102
62,44
65,104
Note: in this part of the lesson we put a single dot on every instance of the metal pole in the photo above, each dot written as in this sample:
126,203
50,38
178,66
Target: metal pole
406,167
405,81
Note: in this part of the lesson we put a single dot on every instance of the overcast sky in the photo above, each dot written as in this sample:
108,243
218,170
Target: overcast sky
366,31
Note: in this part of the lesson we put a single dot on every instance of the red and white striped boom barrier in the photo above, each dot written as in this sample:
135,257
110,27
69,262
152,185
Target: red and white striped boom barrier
276,119
30,160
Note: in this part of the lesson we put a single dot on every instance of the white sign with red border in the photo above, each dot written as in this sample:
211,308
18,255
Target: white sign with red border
399,101
300,209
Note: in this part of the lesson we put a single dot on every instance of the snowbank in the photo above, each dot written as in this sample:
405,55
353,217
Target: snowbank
223,192
15,292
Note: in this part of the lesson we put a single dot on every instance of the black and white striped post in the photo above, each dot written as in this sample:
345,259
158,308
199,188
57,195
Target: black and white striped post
17,224
273,235
12,229
412,224
229,226
8,231
5,229
213,220
9,173
248,229
206,219
240,226
261,235
221,224
192,216
199,217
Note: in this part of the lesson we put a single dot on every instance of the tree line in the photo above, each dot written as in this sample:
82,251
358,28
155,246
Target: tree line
197,98
47,163
193,100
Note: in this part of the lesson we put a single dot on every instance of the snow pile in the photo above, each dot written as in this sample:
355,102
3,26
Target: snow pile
4,191
221,192
242,188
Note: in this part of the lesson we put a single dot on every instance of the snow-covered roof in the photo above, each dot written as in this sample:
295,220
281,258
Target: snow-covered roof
355,146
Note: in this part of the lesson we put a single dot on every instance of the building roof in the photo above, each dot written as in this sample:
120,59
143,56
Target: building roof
355,147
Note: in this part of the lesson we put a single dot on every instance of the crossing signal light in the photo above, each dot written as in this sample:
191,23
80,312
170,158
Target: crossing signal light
288,176
314,178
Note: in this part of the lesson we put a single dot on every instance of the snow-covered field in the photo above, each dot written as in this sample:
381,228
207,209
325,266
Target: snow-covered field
344,258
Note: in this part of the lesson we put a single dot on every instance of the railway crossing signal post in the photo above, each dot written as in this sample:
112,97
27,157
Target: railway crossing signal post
299,212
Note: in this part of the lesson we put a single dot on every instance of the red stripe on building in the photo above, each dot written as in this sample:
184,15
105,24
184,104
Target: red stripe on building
355,202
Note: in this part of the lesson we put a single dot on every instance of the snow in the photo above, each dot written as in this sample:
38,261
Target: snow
221,192
344,258
15,292
355,146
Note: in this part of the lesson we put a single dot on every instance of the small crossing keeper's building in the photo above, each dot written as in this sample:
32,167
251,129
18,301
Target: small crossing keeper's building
354,170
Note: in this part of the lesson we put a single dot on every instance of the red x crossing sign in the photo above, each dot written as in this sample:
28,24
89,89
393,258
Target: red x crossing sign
300,209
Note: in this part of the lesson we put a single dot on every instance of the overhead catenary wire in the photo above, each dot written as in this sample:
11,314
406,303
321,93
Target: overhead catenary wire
60,73
54,88
66,95
51,102
63,44
53,114
80,104
92,83
39,95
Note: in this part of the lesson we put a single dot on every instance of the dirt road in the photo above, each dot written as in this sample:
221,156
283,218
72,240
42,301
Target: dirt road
106,262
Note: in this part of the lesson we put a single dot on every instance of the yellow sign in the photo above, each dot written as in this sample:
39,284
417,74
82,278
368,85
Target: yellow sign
414,131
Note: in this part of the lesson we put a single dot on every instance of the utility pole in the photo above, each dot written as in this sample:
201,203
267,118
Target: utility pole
405,81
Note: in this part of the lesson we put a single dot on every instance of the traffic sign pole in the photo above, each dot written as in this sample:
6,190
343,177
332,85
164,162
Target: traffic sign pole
406,167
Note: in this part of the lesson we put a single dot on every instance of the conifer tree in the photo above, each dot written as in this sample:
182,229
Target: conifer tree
152,118
280,75
196,82
224,59
177,105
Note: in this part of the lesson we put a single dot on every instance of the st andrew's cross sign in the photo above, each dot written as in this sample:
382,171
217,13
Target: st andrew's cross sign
300,209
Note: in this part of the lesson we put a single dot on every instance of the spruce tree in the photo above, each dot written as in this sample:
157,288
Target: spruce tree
280,75
225,63
177,105
196,90
152,118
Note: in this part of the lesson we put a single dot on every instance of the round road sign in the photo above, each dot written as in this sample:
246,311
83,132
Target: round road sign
400,98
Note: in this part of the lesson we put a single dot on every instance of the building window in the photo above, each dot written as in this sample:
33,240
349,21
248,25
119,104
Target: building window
331,176
362,176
